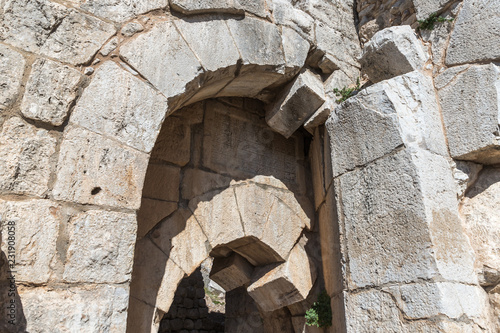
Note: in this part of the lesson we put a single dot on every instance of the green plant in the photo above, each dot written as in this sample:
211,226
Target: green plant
428,23
320,314
346,92
213,297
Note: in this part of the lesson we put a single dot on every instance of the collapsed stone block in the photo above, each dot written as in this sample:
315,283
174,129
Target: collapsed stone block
391,52
470,100
11,73
299,100
231,272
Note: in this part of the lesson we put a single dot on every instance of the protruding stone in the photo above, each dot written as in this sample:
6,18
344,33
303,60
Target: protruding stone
320,116
25,154
391,52
299,100
11,73
50,91
295,48
119,105
327,64
96,170
232,272
470,101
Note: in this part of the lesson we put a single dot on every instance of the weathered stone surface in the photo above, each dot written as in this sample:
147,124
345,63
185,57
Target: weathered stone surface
131,29
196,182
162,56
482,223
320,116
50,91
316,154
82,309
296,103
476,30
101,247
383,117
391,52
285,14
470,103
11,73
465,174
231,272
120,11
162,182
110,46
151,212
119,105
285,284
174,142
295,48
31,227
93,169
25,154
257,7
424,8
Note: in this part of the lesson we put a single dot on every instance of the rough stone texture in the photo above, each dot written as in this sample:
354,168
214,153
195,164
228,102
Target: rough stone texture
120,11
11,73
257,7
476,30
162,182
295,104
391,52
173,144
101,247
295,48
465,174
320,116
25,152
232,272
95,170
121,106
152,211
131,29
93,309
50,92
470,106
196,182
110,46
34,225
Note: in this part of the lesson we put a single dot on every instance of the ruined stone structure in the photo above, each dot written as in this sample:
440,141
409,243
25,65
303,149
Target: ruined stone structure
140,138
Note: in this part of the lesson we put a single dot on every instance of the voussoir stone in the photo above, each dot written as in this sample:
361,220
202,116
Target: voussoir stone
391,52
11,73
96,170
231,272
118,104
295,48
470,102
50,91
31,227
476,30
25,154
101,247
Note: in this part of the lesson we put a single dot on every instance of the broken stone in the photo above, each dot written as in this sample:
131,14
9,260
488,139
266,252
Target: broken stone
11,73
96,170
162,182
25,154
327,64
120,11
131,29
299,100
391,52
119,105
465,175
101,247
231,272
320,116
109,46
50,92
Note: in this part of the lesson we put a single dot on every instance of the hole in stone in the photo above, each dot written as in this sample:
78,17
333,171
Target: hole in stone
95,190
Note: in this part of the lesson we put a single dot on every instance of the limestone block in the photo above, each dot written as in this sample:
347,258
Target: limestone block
257,7
110,46
391,52
320,116
383,117
470,104
119,105
95,170
34,225
424,8
299,100
120,11
286,14
81,309
131,29
482,224
173,144
142,317
196,182
11,73
338,80
50,91
316,154
231,272
182,238
101,247
465,174
162,182
475,32
25,154
295,48
163,57
285,284
151,212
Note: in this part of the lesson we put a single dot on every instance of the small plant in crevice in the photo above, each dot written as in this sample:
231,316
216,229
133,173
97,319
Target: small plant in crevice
346,92
428,23
320,314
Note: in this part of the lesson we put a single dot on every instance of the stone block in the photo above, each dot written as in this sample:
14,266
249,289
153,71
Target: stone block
29,231
391,52
285,14
316,154
475,31
470,106
231,272
11,73
131,29
285,284
384,117
424,8
174,142
50,92
299,100
96,170
210,6
142,317
120,11
119,105
196,182
25,156
100,247
162,182
295,48
320,116
151,212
